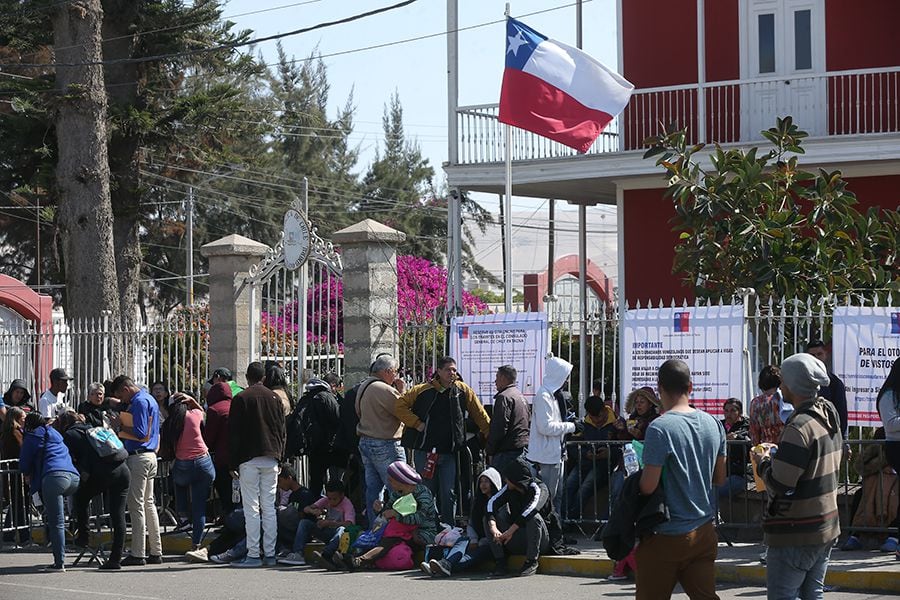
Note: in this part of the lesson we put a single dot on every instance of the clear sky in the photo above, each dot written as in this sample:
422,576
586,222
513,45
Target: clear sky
417,70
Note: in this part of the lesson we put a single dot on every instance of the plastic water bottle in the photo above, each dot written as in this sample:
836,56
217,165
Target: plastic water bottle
631,461
235,491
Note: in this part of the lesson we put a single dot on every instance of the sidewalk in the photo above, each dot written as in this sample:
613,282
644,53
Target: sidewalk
865,571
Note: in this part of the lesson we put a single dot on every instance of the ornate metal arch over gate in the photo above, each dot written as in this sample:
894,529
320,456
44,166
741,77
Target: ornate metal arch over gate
298,334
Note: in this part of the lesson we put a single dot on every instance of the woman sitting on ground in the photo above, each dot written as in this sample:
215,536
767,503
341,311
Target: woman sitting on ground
473,549
737,432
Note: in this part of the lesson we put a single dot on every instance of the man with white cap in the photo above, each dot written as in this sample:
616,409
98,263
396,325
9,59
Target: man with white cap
801,522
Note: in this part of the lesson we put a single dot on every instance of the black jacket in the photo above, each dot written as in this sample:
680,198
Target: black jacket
634,515
836,393
509,422
325,418
524,505
84,457
94,415
346,438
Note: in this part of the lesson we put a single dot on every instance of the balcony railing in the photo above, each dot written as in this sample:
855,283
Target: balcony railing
834,104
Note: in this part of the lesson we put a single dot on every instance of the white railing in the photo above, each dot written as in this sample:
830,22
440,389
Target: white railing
865,101
173,350
481,139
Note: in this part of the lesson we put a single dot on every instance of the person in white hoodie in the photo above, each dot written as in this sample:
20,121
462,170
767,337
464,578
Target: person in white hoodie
546,448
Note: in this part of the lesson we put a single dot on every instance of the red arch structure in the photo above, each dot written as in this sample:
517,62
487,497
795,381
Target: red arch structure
37,308
535,284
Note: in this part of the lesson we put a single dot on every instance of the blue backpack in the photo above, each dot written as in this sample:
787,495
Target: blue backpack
107,444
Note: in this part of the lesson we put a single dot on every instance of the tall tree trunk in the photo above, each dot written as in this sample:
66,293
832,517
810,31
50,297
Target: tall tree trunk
82,174
119,23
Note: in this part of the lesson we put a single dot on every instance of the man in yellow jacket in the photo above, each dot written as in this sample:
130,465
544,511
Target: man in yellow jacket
435,417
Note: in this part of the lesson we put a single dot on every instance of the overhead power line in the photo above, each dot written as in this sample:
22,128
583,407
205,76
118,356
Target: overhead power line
220,47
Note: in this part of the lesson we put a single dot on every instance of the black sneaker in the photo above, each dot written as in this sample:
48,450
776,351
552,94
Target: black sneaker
500,569
338,559
133,561
324,561
154,560
110,566
529,568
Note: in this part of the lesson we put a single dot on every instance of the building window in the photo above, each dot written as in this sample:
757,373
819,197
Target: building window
802,40
767,43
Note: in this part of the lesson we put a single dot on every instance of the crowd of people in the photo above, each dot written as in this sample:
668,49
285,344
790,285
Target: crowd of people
384,474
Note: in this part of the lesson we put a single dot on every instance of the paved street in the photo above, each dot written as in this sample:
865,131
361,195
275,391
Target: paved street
20,579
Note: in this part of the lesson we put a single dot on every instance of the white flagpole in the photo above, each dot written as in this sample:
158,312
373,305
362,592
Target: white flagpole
507,223
507,219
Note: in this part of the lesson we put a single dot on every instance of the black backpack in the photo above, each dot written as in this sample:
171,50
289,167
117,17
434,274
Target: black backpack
298,427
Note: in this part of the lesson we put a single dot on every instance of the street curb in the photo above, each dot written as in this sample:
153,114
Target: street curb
588,566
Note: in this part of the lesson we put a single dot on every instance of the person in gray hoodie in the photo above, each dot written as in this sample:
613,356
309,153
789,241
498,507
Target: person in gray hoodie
549,427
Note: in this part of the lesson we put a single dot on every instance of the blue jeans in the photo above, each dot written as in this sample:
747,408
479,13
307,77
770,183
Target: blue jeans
581,486
733,485
442,484
194,476
307,529
794,572
376,456
501,459
54,487
464,555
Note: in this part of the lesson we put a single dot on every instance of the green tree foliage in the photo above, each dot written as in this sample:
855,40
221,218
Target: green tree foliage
220,125
754,218
399,190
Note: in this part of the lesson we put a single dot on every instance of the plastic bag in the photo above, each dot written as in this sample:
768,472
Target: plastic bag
405,505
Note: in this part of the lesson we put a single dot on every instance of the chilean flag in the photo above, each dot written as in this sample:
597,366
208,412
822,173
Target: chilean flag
557,91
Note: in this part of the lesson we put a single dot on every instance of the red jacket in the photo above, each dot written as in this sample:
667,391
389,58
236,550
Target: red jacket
215,434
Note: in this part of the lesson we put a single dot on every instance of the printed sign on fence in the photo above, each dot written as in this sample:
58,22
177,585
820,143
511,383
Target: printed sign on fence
481,343
866,342
708,338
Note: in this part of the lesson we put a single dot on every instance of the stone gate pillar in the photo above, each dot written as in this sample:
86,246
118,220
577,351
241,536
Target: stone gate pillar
230,259
369,255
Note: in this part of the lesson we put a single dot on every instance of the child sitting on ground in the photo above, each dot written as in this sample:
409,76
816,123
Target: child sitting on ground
332,514
417,529
473,549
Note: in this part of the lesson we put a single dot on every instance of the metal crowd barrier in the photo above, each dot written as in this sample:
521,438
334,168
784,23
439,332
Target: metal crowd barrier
592,484
593,479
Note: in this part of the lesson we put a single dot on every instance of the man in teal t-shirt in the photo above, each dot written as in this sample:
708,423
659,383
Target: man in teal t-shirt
690,445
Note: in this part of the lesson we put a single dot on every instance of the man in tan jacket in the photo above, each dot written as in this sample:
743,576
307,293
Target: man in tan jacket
435,417
379,429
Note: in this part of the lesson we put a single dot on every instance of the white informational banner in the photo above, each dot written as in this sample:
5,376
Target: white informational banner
865,343
709,339
481,343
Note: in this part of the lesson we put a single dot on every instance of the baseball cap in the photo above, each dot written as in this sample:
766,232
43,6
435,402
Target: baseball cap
59,374
222,372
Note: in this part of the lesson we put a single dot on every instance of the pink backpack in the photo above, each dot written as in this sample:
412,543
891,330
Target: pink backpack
398,558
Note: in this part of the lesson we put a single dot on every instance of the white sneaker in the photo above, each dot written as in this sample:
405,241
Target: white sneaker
200,555
425,568
293,558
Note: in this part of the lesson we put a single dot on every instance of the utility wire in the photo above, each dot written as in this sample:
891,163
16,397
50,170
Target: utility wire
220,47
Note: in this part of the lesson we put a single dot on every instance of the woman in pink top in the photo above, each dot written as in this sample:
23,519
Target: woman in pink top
193,472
